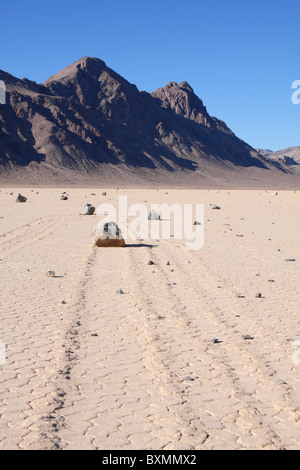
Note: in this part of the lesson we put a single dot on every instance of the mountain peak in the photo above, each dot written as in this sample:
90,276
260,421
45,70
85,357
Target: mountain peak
186,86
182,99
86,64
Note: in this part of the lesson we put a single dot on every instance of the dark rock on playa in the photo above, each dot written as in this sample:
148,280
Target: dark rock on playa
88,210
21,198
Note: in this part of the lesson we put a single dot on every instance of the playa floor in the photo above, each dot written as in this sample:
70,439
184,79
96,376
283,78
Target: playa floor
87,368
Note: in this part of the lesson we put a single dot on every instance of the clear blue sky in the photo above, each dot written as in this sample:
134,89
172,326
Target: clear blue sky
240,56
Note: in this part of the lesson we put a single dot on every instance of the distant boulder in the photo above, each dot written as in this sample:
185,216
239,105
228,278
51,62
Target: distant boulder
21,198
88,209
153,215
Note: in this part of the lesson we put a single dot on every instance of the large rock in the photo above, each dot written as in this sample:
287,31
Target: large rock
110,236
88,210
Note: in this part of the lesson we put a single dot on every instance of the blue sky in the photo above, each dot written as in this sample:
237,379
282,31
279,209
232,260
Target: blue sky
239,56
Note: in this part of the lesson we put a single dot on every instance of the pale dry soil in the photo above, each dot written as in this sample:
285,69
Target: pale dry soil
87,368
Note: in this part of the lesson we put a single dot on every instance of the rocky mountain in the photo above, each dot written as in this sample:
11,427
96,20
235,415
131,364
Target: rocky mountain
288,158
88,120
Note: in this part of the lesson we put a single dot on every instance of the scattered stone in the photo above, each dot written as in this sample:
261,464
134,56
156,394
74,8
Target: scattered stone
153,215
168,263
21,198
94,334
104,193
63,302
258,295
247,337
281,382
50,274
110,236
189,379
290,259
88,209
63,198
271,280
213,206
93,194
215,340
197,223
120,291
150,262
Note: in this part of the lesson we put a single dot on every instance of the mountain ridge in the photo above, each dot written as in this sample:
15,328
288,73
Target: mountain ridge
89,119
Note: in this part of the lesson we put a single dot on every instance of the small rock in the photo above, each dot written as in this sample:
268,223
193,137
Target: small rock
213,206
120,291
197,223
50,274
150,262
290,259
258,295
168,263
21,198
104,193
188,378
88,209
153,215
63,198
214,340
247,337
281,382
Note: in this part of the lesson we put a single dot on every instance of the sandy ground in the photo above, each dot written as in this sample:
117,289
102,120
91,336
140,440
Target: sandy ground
87,368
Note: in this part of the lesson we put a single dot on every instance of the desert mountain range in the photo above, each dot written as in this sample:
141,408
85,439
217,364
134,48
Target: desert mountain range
289,157
87,123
